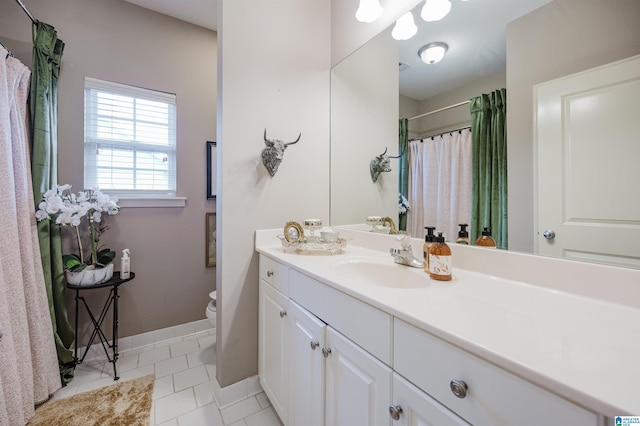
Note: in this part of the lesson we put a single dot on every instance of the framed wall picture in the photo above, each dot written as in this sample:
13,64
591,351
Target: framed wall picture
211,169
211,239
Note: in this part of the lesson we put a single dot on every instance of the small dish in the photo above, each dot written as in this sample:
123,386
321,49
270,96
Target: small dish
329,236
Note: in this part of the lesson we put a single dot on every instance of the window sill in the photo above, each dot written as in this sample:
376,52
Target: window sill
153,202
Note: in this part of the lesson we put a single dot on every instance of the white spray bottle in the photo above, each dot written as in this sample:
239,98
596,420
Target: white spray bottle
125,265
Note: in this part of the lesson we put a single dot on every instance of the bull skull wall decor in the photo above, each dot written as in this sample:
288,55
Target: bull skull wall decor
380,164
273,153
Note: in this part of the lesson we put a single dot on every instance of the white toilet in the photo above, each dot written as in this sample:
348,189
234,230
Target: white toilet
211,308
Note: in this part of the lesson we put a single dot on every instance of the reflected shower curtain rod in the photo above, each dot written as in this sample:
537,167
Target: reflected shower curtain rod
34,20
439,110
421,138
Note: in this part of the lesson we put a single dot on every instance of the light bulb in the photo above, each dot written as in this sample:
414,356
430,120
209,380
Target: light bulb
432,52
405,27
435,10
368,11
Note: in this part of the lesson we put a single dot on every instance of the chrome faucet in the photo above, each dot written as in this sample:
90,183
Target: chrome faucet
404,255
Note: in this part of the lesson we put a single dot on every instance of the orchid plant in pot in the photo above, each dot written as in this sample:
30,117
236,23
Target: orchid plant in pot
67,208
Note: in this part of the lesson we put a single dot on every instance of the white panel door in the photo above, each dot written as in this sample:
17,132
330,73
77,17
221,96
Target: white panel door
358,385
306,367
273,349
416,408
588,165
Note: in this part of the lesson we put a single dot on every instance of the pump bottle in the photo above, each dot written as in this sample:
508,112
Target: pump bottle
429,240
463,235
440,262
486,240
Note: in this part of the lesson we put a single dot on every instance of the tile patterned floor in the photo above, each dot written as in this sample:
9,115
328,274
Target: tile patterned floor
183,395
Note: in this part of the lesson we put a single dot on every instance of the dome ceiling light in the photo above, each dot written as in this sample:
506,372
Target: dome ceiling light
433,53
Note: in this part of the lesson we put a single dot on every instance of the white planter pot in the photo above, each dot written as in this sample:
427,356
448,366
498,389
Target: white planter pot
90,275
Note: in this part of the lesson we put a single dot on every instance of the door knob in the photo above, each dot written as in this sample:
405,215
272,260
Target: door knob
549,234
269,273
283,313
326,351
395,411
314,344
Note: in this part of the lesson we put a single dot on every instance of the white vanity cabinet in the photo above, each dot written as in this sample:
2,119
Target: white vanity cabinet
479,392
412,407
307,339
273,349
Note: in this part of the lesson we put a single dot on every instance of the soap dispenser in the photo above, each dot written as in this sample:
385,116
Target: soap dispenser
440,262
429,240
486,240
463,235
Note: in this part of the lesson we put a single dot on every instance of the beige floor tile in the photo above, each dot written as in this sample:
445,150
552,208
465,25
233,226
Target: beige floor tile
155,355
171,366
266,417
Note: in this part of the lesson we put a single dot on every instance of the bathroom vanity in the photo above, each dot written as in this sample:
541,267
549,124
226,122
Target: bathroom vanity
354,339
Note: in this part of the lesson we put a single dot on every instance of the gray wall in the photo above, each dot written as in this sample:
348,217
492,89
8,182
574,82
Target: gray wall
116,41
561,38
274,63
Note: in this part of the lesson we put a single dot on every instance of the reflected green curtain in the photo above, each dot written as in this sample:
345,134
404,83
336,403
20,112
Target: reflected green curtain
47,52
403,146
489,191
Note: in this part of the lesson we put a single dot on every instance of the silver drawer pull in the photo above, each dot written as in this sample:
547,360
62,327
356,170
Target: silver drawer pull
459,388
314,344
326,351
269,273
283,313
395,411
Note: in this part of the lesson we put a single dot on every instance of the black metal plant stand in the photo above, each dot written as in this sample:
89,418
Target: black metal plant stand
112,299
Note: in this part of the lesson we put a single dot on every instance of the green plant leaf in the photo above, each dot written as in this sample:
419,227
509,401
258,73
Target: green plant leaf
105,256
72,262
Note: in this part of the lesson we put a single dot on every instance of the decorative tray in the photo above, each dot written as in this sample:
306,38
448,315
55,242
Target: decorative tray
313,246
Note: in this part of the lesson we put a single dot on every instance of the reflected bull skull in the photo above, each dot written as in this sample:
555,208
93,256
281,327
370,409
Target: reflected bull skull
273,153
380,164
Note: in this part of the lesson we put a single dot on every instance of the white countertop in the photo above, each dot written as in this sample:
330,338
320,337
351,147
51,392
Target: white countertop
578,346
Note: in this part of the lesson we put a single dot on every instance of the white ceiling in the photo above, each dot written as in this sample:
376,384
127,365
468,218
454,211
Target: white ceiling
474,30
199,12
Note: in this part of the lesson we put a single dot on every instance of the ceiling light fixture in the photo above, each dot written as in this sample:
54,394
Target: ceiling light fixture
405,27
369,10
435,10
433,52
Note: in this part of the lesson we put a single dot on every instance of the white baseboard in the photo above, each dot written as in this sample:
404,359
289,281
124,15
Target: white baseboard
145,339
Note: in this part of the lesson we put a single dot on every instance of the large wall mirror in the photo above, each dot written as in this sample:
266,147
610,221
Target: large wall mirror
537,41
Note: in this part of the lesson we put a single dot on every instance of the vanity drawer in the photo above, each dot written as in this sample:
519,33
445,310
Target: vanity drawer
275,274
493,396
367,326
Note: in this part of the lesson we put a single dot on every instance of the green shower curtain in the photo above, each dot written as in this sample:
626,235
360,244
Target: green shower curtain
47,52
489,188
403,146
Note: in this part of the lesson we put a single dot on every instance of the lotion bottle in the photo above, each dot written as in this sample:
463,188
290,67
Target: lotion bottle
440,262
463,235
125,265
429,240
486,240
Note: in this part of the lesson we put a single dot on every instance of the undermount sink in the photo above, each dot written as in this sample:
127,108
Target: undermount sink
382,272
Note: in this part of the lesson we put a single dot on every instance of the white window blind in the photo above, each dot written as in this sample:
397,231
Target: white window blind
129,140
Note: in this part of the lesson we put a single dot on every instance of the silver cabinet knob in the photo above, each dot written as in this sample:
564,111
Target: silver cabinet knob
326,351
283,313
459,388
314,344
395,411
269,273
549,234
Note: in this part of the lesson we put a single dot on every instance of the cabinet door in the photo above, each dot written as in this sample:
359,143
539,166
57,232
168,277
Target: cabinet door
272,342
306,367
416,408
358,385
